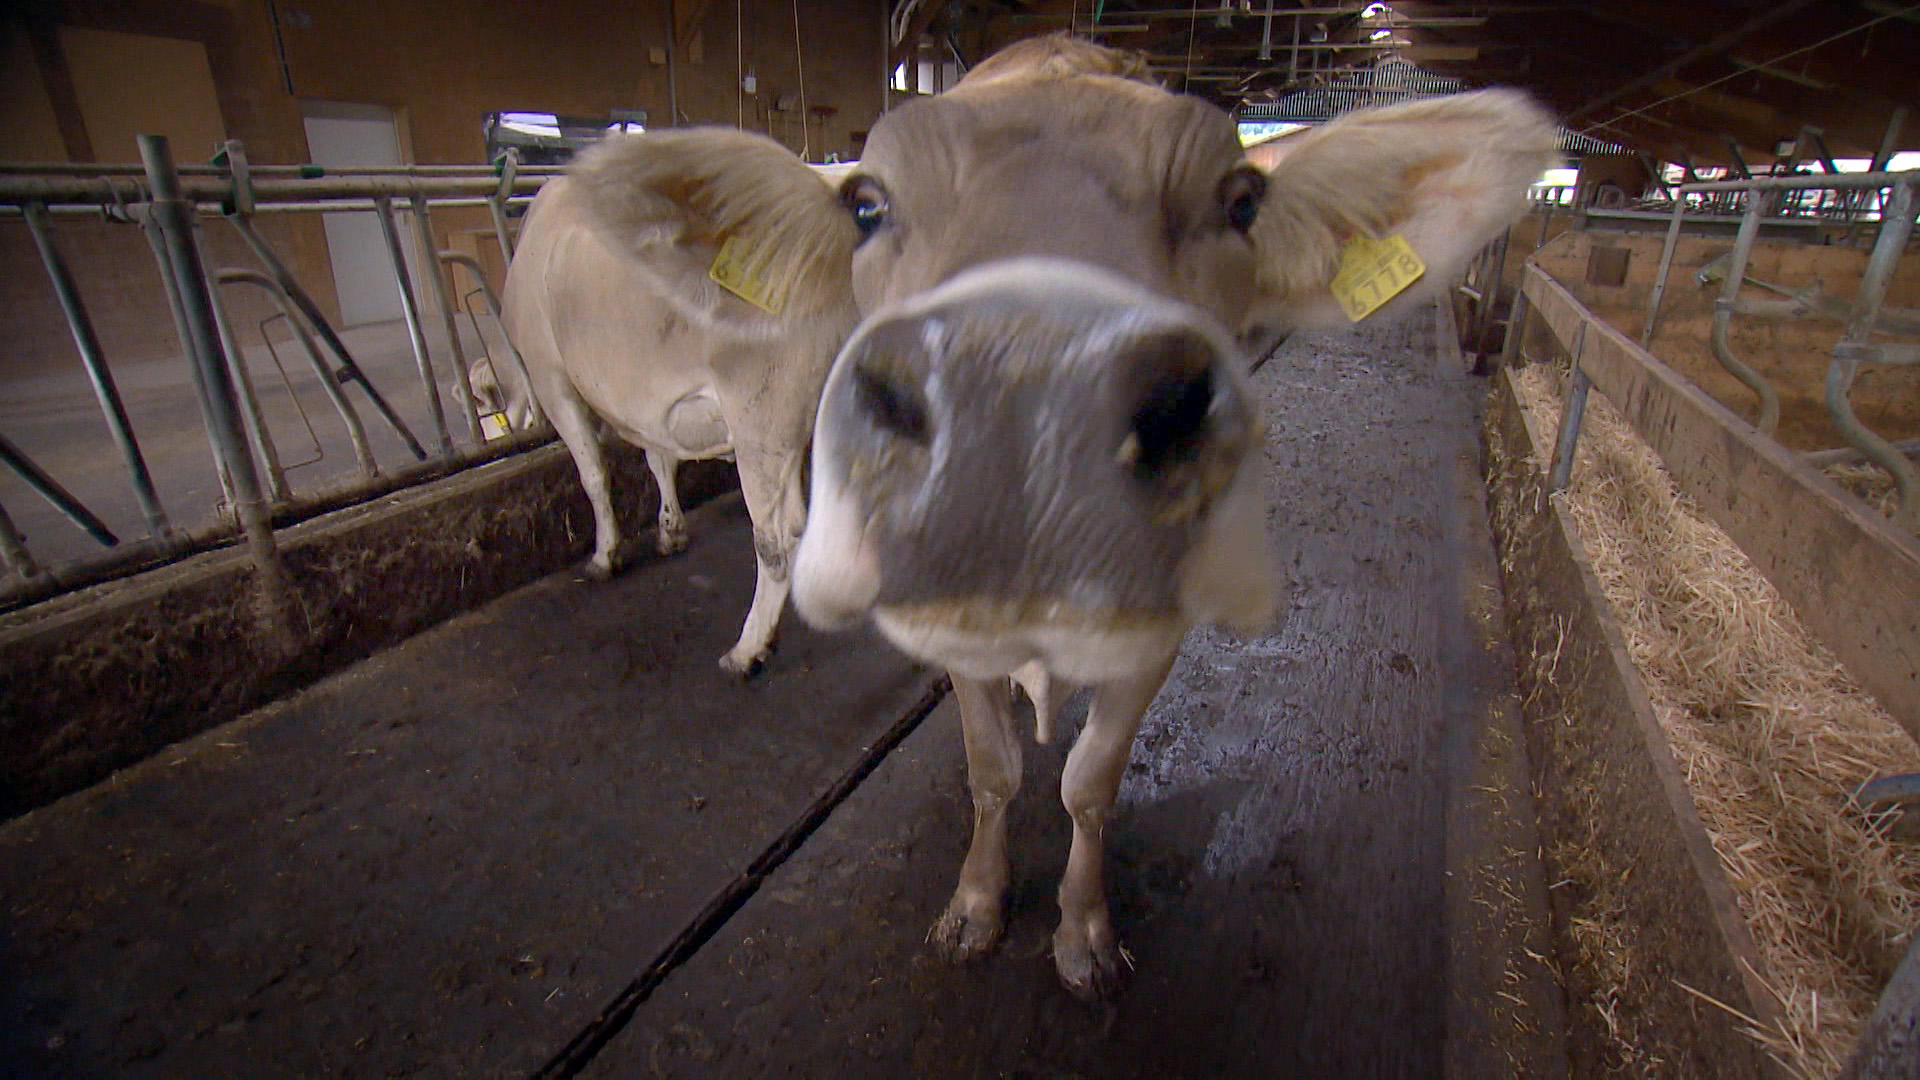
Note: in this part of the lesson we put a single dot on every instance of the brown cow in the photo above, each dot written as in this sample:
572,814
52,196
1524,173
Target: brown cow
1032,454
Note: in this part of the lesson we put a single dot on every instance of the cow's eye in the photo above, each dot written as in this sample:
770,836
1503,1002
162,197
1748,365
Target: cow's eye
1241,194
866,200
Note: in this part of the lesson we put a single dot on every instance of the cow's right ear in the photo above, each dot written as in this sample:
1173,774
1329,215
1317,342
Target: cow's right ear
737,231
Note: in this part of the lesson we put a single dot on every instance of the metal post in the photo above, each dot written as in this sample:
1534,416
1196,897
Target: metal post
174,216
1723,317
423,228
1570,417
410,307
104,389
157,242
497,206
1553,200
49,489
348,369
13,550
265,455
1513,349
1666,264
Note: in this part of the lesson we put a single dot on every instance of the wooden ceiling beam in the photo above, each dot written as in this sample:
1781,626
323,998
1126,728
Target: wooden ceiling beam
1719,44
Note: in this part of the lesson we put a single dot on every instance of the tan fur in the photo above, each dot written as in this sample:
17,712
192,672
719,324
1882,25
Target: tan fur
701,186
1446,173
1056,56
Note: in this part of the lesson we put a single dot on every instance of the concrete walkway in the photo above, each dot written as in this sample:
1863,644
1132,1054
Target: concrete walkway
447,860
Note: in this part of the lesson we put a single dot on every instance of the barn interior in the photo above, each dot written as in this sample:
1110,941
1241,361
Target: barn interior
473,813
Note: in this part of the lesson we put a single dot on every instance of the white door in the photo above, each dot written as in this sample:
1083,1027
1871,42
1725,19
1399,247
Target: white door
348,135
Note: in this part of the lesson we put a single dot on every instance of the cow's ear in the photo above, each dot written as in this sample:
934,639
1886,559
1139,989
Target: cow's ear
1445,175
737,230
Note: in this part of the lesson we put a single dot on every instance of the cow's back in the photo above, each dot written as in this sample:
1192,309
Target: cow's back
586,317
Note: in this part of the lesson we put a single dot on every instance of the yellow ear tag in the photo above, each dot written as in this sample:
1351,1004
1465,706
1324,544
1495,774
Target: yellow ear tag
1373,272
729,269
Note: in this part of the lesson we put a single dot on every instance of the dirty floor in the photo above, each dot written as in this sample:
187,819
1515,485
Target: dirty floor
449,859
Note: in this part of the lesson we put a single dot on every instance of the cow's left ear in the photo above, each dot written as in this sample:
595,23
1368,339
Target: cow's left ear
737,231
1444,175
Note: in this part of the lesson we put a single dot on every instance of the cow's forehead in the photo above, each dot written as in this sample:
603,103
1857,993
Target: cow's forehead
1129,126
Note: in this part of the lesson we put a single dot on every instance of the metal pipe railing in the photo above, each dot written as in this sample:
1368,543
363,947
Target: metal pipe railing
49,489
416,332
1896,225
1855,346
116,190
472,265
165,199
356,432
423,233
91,356
348,369
173,216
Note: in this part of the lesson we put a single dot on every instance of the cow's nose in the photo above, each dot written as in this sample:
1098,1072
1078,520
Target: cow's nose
1181,401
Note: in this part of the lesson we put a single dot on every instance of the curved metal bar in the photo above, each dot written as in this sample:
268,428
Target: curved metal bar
348,368
1896,225
1769,418
472,265
356,432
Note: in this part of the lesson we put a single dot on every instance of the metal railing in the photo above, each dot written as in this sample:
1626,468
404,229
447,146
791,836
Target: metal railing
1861,319
168,202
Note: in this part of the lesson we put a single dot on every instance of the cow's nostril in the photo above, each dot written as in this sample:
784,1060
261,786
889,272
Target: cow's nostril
1170,422
891,406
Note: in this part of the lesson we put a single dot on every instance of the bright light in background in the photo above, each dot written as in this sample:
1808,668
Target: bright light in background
531,123
1253,132
1902,161
1376,11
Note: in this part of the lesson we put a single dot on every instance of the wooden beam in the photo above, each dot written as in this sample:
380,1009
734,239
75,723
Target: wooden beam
686,21
1720,43
1852,577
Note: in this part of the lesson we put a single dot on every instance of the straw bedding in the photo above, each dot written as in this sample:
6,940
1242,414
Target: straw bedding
1772,735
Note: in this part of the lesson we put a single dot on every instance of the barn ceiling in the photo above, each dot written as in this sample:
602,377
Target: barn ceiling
1695,81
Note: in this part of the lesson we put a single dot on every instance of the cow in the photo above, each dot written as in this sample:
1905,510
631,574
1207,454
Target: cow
658,351
1034,455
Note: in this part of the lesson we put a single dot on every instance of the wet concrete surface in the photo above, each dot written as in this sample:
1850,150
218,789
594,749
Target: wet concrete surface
446,861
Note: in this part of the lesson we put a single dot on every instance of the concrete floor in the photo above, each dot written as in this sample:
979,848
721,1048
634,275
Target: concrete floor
447,860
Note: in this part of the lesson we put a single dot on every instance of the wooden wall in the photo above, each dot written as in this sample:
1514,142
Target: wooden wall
80,77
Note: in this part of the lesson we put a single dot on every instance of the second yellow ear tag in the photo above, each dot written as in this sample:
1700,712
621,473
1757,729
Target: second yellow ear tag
729,269
1373,272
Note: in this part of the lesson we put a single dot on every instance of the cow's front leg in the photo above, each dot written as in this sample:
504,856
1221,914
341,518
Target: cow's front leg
671,534
1086,951
976,916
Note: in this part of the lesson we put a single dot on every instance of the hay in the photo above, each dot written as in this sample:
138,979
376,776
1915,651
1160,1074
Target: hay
1869,483
1771,734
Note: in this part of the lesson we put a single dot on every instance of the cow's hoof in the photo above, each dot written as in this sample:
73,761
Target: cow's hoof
601,569
961,938
1091,972
671,542
745,669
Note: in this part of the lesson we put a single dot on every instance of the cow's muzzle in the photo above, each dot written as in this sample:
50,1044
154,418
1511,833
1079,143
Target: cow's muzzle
1035,443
